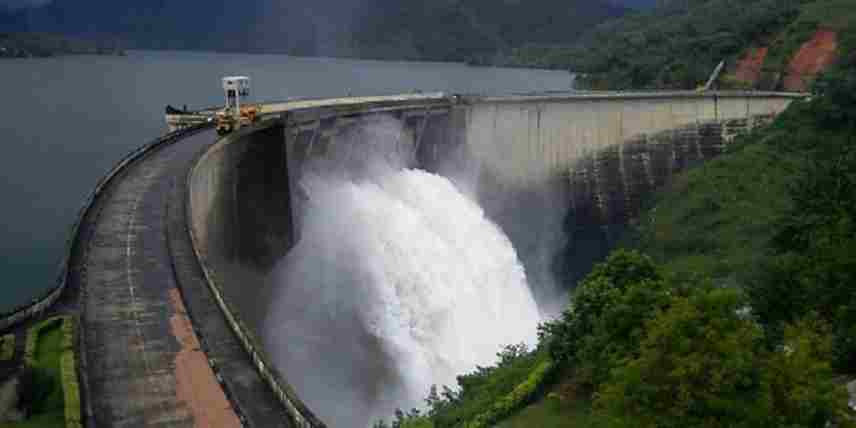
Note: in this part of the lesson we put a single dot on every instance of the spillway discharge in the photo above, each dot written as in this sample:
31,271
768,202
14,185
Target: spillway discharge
399,282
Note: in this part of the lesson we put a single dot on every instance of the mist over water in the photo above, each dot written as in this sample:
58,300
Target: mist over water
399,281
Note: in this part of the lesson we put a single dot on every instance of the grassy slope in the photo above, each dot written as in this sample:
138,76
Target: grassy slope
716,220
49,411
483,390
552,412
670,47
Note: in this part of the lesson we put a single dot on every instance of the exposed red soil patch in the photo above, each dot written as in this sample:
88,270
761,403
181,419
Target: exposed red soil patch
812,58
196,385
749,67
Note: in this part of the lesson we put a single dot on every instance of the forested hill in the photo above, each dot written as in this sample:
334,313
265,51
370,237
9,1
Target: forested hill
402,29
675,45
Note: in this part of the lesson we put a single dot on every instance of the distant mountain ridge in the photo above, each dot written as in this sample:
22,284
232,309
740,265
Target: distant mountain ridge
454,30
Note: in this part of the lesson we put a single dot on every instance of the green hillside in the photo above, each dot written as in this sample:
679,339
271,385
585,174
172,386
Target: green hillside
472,30
678,44
674,46
731,303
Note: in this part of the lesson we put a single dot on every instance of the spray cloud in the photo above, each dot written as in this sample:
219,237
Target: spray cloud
399,282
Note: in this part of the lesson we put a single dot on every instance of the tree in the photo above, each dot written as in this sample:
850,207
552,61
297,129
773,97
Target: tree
702,363
696,368
599,290
813,266
797,380
616,334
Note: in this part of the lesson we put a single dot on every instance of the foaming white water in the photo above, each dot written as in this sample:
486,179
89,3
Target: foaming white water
399,282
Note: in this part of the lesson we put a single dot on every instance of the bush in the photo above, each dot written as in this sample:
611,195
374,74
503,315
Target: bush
33,338
617,333
7,347
478,391
697,366
797,383
484,396
68,374
519,397
40,393
813,265
702,363
599,302
49,381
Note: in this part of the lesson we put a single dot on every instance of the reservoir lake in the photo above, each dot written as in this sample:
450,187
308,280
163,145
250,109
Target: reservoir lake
67,120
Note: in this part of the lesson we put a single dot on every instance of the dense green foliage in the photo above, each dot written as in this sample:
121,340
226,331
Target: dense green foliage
552,412
744,316
751,318
521,395
472,30
674,46
679,44
659,353
798,265
485,395
715,220
41,392
697,364
7,347
813,265
702,364
603,323
68,376
49,390
475,31
836,15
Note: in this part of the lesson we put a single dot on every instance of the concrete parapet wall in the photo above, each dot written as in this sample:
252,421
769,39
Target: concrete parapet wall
213,203
529,140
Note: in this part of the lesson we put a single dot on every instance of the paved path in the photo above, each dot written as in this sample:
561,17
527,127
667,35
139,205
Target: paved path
146,365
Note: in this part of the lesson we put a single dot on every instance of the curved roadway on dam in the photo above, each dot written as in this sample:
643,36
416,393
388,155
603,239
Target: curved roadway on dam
146,363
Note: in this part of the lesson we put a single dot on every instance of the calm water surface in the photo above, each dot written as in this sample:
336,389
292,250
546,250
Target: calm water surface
65,121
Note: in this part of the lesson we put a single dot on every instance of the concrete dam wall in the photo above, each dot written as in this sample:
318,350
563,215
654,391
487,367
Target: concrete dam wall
580,163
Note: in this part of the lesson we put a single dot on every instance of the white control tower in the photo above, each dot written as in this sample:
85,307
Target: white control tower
235,87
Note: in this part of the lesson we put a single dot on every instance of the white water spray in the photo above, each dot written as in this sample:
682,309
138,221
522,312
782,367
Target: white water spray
399,282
